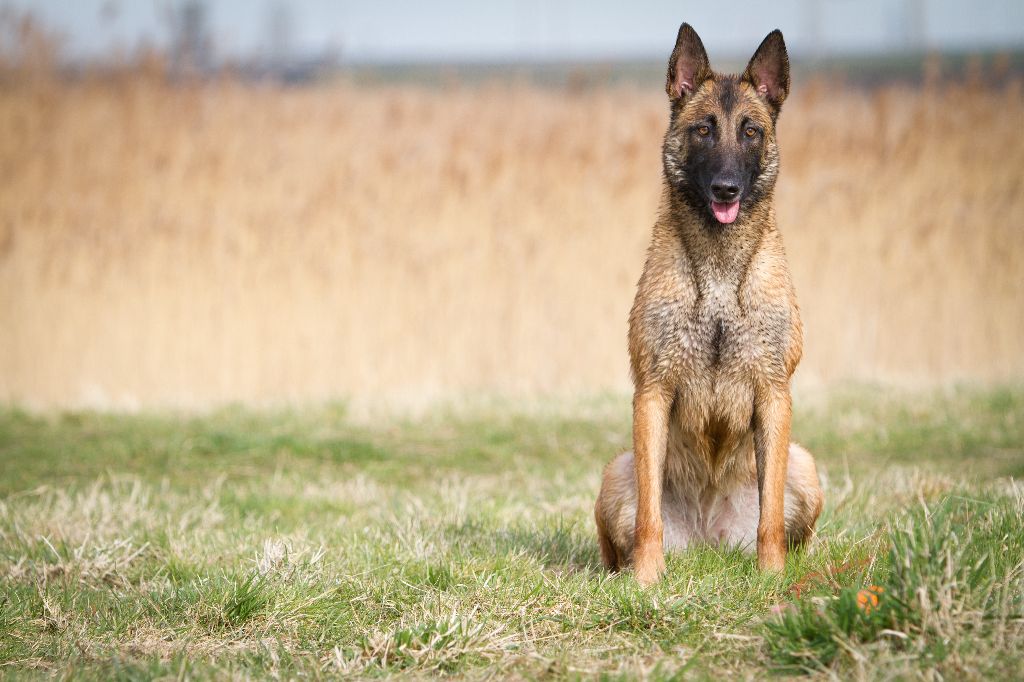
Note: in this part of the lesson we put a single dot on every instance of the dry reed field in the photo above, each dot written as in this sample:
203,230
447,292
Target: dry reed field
197,244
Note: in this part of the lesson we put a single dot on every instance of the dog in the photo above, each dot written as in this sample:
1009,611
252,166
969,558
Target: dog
714,336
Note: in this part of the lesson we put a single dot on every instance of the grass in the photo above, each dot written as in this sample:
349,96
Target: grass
312,543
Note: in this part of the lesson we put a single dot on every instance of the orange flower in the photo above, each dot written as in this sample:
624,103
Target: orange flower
868,599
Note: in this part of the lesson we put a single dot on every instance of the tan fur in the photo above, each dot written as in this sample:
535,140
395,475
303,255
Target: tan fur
715,335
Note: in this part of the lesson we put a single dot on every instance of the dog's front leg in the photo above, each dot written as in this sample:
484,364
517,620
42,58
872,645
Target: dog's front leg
650,438
772,416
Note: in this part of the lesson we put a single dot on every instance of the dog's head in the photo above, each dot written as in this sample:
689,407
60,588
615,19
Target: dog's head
720,153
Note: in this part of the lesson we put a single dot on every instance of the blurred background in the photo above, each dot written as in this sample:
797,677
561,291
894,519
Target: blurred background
395,203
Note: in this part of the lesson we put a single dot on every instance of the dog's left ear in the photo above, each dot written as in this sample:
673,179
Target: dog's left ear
768,70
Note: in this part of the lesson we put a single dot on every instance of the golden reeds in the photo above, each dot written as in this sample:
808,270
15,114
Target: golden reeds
216,242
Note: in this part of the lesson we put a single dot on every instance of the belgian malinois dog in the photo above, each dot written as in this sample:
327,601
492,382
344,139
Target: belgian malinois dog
714,336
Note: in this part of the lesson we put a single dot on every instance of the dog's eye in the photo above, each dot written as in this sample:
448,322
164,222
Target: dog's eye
703,131
751,131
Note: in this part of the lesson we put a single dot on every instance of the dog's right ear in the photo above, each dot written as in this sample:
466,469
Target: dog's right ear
688,66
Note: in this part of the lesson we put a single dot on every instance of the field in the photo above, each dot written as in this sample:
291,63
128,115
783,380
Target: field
198,244
318,381
311,543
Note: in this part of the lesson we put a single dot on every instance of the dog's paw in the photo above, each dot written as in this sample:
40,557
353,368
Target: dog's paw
649,566
771,558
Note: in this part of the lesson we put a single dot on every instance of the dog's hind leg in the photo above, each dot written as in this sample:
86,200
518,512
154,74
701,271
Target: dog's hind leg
804,498
609,554
615,514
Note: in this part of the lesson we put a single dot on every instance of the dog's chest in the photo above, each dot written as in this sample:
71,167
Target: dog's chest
718,339
719,358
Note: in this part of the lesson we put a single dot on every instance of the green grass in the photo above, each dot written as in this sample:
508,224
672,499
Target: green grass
308,543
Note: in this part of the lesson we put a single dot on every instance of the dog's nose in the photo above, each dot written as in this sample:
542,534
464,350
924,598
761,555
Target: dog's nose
725,190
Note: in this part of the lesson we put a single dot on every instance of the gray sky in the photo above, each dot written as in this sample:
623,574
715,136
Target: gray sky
543,29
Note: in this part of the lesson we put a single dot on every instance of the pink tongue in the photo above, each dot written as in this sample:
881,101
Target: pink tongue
725,213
